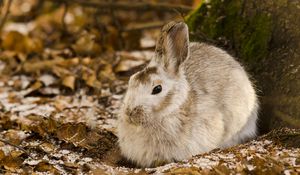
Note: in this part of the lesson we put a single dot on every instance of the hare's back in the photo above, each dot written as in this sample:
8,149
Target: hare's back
222,83
210,68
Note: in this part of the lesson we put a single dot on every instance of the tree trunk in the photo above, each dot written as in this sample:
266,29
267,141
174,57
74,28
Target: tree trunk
265,36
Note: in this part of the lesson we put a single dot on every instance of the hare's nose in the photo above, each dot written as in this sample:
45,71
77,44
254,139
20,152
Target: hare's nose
138,110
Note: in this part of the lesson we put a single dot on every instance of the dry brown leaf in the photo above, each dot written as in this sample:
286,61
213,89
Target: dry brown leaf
34,87
86,61
86,44
60,71
183,171
61,103
99,171
89,76
81,136
49,64
5,121
69,62
71,165
106,73
69,81
15,9
18,42
126,65
46,167
42,126
93,82
40,65
2,155
78,135
16,153
47,147
129,63
11,163
13,137
221,169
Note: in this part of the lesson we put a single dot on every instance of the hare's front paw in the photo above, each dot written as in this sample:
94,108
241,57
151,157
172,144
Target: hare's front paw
136,116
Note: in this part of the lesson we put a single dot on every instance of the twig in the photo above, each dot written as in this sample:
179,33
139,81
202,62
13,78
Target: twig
139,6
48,64
117,25
5,14
63,21
144,26
20,148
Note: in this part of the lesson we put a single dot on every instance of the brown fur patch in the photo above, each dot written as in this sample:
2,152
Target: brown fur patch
144,75
172,43
136,115
160,45
157,82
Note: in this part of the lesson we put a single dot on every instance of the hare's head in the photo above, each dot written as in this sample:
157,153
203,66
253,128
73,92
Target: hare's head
160,88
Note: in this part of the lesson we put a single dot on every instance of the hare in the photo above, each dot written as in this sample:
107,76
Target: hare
191,98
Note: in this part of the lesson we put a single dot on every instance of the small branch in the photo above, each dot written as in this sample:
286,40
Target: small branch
117,25
139,6
16,146
144,26
63,21
48,64
5,14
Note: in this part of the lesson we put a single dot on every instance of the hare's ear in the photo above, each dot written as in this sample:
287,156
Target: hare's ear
173,46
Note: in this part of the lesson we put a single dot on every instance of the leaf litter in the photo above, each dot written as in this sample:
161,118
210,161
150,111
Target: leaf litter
61,87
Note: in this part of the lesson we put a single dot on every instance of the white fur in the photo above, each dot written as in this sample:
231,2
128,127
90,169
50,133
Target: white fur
221,111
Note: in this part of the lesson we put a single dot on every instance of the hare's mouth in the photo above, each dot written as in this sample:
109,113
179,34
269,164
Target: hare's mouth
136,116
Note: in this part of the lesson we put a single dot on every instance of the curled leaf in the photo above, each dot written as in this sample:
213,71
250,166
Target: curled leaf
69,81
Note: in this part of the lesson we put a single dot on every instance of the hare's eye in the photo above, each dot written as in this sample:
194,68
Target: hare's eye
157,89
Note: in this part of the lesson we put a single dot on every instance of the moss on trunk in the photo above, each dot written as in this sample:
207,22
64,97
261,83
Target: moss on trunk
264,35
251,35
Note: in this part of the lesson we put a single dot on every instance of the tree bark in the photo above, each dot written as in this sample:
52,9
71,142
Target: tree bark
265,36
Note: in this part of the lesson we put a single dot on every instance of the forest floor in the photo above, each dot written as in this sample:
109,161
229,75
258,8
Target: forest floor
45,131
61,87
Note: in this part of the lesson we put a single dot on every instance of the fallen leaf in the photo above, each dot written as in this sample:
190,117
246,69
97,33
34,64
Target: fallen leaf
41,125
46,167
89,76
47,147
76,134
106,72
14,136
2,155
18,42
35,66
87,43
60,71
47,79
69,81
183,170
34,87
11,163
